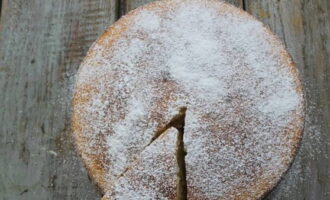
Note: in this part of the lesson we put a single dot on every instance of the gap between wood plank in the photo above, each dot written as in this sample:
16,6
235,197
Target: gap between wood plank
0,8
244,5
121,8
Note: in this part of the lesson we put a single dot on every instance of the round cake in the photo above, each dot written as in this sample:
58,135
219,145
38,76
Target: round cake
187,99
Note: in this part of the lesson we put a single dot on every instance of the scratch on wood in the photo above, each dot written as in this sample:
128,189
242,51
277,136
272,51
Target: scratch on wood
24,191
24,153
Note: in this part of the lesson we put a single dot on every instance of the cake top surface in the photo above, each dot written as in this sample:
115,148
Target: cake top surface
157,183
243,97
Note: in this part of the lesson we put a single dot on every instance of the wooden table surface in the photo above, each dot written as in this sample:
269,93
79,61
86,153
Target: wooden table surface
42,43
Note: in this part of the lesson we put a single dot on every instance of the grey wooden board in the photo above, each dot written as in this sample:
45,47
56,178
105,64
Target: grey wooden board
41,46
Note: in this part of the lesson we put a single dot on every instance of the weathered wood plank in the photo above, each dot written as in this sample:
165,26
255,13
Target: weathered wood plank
41,46
128,5
304,27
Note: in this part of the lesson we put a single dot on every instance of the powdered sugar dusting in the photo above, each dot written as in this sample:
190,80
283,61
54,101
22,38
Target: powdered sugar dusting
244,102
149,177
148,21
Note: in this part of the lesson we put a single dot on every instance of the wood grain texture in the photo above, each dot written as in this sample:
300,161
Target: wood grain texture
41,45
304,27
128,5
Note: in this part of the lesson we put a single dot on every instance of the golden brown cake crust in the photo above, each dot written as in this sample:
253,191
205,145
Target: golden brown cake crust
245,105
